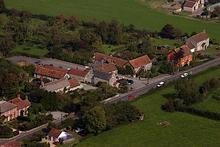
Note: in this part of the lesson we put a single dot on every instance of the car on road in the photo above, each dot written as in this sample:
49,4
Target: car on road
130,82
130,97
160,84
184,75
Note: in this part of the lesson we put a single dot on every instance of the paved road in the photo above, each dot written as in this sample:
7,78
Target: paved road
137,92
26,134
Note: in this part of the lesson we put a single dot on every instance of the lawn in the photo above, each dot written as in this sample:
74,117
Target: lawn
213,50
109,49
135,12
185,130
170,42
31,51
210,104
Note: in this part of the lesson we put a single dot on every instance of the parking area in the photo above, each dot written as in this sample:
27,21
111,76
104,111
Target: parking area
46,61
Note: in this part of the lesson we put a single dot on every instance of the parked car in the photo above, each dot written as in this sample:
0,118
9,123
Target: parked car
184,75
160,84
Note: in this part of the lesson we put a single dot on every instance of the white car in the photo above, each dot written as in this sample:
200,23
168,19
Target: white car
160,84
184,75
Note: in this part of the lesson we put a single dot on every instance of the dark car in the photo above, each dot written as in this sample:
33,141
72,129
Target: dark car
130,82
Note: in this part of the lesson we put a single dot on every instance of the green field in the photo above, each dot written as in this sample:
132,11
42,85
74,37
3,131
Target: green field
31,51
109,49
135,12
171,43
210,104
185,130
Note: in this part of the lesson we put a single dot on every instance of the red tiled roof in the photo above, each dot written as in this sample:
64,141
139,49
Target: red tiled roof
106,68
110,59
54,133
21,104
73,83
186,50
190,4
50,71
140,61
11,144
199,37
180,52
77,72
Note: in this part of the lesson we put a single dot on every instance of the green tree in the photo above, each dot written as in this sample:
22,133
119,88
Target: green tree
95,119
168,31
6,44
2,5
188,91
167,68
12,79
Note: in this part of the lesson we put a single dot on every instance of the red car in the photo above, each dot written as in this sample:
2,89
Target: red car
131,97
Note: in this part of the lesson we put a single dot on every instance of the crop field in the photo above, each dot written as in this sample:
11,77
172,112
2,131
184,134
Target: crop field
137,12
185,129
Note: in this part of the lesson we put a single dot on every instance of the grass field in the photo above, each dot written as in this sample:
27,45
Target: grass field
135,12
32,51
109,49
185,130
210,104
169,42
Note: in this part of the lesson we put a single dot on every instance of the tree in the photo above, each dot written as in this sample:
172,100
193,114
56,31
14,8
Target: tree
188,91
127,70
115,32
146,47
6,44
2,5
95,119
216,12
122,112
5,132
167,68
168,31
12,79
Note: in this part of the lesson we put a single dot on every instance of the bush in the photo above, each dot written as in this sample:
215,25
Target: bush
6,132
122,112
168,31
209,85
207,114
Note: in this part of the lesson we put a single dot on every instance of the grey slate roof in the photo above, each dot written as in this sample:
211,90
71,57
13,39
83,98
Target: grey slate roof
102,75
6,106
55,85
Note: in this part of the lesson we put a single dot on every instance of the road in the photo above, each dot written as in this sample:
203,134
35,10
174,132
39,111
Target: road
26,134
137,92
